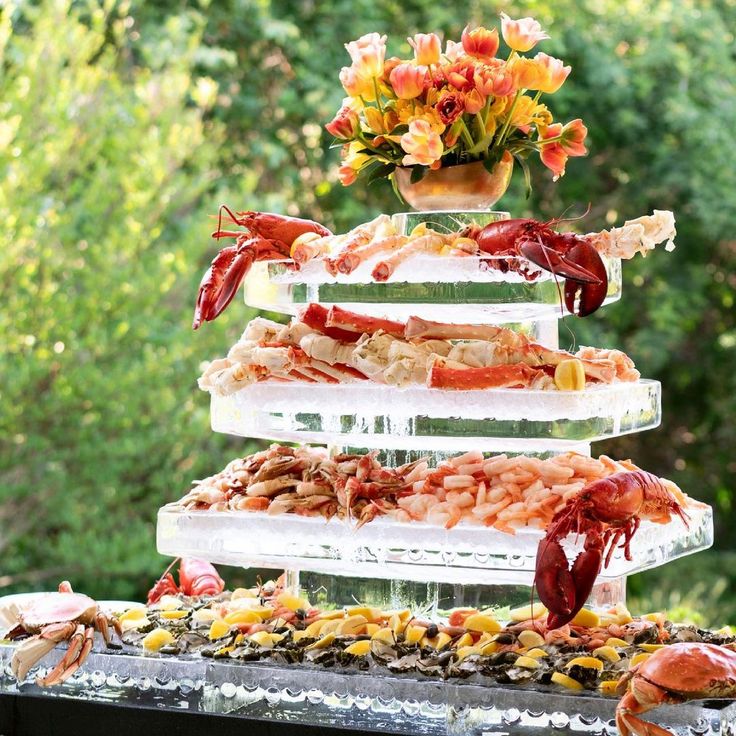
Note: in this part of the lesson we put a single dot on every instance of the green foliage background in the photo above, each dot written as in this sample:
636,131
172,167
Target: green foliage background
124,124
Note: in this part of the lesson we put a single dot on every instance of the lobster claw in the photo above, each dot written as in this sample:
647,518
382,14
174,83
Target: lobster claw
562,589
589,296
561,264
221,281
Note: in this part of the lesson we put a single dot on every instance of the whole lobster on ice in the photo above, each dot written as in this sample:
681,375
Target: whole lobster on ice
605,511
563,254
196,577
267,236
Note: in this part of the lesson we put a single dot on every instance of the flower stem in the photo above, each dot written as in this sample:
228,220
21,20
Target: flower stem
507,123
378,95
466,134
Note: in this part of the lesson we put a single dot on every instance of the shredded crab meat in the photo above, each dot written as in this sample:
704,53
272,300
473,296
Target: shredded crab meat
636,236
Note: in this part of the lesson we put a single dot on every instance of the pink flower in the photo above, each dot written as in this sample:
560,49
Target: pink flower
450,106
523,34
345,124
347,175
368,54
427,48
556,72
408,80
480,42
454,51
422,145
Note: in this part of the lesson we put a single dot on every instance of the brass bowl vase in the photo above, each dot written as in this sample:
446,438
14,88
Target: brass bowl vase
461,187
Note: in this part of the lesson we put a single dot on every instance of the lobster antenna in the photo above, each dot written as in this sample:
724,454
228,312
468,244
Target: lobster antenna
571,219
166,571
572,335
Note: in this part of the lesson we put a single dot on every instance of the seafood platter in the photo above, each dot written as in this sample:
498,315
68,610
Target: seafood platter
452,557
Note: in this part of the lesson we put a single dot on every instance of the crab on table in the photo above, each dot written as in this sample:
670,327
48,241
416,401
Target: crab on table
52,618
674,674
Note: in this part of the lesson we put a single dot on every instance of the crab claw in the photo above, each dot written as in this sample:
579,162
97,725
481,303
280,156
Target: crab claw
590,296
31,650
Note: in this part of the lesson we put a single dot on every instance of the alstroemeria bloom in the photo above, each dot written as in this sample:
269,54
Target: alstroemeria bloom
355,84
450,106
422,145
407,80
523,34
368,54
345,124
556,72
480,42
427,48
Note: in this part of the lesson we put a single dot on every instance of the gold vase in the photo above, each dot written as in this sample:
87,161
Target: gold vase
461,187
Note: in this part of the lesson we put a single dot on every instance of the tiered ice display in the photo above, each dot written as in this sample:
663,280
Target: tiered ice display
416,559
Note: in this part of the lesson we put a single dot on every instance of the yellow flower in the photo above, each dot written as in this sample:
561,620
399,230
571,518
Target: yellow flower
408,110
427,48
523,111
556,72
355,155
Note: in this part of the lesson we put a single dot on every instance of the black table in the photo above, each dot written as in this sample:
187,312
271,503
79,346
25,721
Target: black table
27,715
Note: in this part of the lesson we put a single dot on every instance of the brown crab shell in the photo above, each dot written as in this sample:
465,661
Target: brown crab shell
693,670
54,608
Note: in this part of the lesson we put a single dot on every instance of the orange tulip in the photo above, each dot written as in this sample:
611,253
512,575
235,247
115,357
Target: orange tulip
474,102
528,73
347,175
494,80
480,42
523,34
408,80
554,155
556,72
427,48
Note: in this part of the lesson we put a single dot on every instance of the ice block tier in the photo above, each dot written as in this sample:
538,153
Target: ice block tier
418,418
448,288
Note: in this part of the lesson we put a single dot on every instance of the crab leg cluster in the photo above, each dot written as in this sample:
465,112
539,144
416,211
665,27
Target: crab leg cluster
338,346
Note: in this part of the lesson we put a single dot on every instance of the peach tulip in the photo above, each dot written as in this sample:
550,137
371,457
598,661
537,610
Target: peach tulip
454,50
355,84
480,42
556,72
427,48
528,73
422,145
495,81
368,54
408,80
523,34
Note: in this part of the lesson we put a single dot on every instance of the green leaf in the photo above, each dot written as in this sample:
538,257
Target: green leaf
527,174
418,173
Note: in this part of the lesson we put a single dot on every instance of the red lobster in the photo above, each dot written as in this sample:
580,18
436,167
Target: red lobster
196,577
604,511
267,237
563,254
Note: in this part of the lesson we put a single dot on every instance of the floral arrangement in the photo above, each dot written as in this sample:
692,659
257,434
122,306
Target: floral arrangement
453,107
